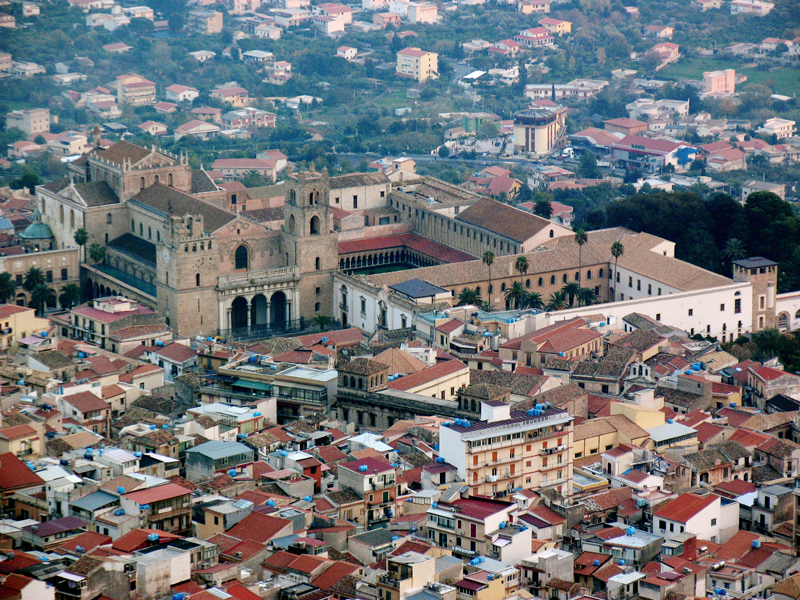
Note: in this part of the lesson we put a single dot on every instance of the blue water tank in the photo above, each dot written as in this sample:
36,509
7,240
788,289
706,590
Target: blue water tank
596,563
119,512
503,525
307,498
81,354
467,424
63,462
324,339
733,404
270,503
153,537
152,427
440,459
670,421
490,577
435,505
120,490
481,559
252,359
159,343
256,414
395,538
137,454
622,561
530,412
80,549
89,451
232,472
538,407
756,544
436,447
474,562
178,596
144,506
165,426
631,530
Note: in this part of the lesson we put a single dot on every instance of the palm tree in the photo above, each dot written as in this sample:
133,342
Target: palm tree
734,249
580,238
516,294
41,296
571,290
521,266
70,295
8,287
322,321
586,296
488,260
534,300
81,237
485,306
97,252
33,277
617,250
543,208
557,301
469,296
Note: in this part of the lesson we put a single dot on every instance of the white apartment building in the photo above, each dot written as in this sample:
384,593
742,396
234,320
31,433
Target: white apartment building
781,128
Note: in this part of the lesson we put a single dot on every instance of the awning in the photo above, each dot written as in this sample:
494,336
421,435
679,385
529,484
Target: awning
218,377
253,385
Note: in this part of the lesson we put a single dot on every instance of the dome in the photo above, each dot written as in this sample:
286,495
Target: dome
37,230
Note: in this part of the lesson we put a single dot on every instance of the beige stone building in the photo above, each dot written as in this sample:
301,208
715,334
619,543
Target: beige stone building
537,131
18,322
32,121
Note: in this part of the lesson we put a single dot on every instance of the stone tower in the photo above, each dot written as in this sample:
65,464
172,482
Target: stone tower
187,266
762,273
309,241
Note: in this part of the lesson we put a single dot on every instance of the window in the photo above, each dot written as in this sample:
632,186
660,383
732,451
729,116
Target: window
658,316
691,312
630,282
649,289
314,226
355,201
109,219
721,308
317,263
363,305
713,522
737,305
197,280
761,302
64,275
49,277
551,233
552,279
564,278
241,258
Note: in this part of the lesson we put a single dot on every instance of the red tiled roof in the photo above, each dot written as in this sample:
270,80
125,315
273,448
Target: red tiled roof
737,487
16,431
685,506
16,474
176,352
158,493
334,574
437,371
88,540
259,527
739,545
137,539
7,310
374,465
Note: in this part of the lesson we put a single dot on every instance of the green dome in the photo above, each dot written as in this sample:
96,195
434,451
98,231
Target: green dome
37,230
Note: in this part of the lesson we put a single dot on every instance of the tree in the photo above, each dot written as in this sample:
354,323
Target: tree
587,167
698,165
444,151
543,208
70,295
571,289
488,260
557,301
41,296
601,56
81,237
734,249
469,296
28,180
534,300
515,295
586,296
521,265
8,287
617,250
97,252
580,238
322,322
32,278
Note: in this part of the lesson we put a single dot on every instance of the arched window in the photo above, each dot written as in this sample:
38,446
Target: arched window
552,279
293,198
291,225
317,263
527,283
169,178
197,279
541,282
797,315
109,219
61,213
577,275
157,179
491,290
589,274
503,288
72,219
141,230
241,258
552,233
314,225
600,273
141,183
478,290
133,226
564,278
317,307
149,233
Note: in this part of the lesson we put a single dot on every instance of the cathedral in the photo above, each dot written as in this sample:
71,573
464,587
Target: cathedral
171,244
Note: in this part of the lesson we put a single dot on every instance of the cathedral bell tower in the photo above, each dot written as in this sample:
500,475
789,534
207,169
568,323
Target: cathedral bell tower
308,239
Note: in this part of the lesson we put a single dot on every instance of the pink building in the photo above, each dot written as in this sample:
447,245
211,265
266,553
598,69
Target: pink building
719,82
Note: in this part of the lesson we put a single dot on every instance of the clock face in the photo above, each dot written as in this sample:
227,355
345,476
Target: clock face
166,255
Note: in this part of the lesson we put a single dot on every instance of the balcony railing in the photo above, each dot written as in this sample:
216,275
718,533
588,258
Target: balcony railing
238,280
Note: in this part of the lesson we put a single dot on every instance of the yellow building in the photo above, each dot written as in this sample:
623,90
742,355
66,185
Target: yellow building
537,131
556,26
418,64
22,441
644,411
598,435
17,322
508,450
441,381
406,572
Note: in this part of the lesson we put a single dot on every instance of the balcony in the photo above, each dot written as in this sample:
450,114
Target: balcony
258,278
464,551
343,306
25,452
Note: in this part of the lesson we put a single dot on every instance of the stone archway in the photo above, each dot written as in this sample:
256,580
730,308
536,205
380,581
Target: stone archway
258,311
239,313
278,307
